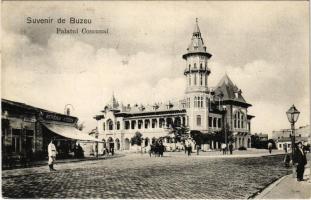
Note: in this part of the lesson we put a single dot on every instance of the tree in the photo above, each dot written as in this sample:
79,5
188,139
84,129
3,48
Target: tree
179,132
137,139
220,136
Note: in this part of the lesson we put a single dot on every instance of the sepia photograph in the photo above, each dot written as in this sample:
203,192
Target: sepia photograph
155,100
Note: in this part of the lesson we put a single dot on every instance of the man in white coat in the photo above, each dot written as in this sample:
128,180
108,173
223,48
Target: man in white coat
52,155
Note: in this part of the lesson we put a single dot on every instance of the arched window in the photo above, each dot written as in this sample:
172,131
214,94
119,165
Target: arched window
195,102
104,126
214,122
189,67
133,124
195,79
127,124
146,123
189,80
154,123
201,66
242,120
210,121
110,124
118,125
235,120
205,80
139,125
198,120
239,120
195,66
219,122
201,81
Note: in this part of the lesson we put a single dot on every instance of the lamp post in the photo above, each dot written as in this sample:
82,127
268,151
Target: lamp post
225,127
292,115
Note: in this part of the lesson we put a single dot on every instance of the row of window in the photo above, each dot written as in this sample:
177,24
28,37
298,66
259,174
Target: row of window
139,124
239,119
195,79
195,66
198,102
214,122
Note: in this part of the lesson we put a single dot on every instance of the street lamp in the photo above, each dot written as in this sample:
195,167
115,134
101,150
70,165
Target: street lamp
292,115
225,127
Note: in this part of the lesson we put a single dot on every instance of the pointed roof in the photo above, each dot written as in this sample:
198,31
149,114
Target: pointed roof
228,90
226,80
196,45
113,103
196,27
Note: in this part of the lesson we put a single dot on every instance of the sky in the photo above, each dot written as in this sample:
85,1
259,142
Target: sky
262,46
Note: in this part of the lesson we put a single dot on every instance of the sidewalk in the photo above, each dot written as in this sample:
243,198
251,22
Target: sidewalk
20,170
219,154
288,187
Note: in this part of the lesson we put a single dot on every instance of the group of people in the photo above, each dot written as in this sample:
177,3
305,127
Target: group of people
225,149
157,149
104,151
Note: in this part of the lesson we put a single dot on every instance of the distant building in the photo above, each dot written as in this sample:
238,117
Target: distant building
205,109
27,130
302,132
283,137
261,136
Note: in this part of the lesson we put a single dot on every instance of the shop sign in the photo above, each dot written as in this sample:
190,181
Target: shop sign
59,118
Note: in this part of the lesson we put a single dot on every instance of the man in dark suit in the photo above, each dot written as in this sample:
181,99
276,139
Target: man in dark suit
300,160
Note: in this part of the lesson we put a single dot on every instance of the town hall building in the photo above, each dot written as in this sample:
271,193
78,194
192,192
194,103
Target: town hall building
204,108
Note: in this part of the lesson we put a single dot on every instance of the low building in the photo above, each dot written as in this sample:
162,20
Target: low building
27,131
284,143
303,131
282,137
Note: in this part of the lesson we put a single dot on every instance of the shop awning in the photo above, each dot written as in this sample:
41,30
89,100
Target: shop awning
70,132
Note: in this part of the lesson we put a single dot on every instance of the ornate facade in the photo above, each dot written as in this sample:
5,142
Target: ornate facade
205,109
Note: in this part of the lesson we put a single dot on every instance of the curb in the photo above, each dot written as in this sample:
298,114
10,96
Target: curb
266,190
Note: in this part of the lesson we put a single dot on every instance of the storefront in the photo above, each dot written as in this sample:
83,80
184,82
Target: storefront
27,131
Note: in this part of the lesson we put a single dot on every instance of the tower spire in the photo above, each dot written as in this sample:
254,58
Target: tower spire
196,31
196,45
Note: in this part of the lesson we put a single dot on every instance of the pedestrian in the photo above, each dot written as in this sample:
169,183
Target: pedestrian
270,147
189,149
161,149
287,159
151,150
223,147
230,148
52,155
198,149
299,160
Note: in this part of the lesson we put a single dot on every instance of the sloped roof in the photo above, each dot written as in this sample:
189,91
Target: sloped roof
18,106
228,90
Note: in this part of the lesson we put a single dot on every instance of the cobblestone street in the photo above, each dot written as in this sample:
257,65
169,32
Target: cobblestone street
138,176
